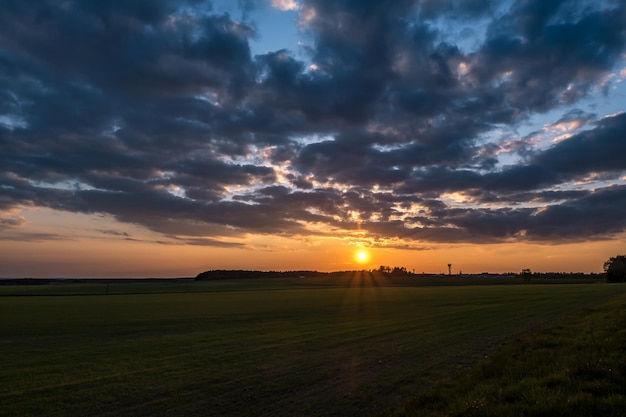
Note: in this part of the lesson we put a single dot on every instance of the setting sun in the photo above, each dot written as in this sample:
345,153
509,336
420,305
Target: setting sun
328,160
361,256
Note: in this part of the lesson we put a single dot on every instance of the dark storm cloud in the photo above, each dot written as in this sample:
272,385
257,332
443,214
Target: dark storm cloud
136,47
595,215
584,216
597,150
552,55
159,114
592,152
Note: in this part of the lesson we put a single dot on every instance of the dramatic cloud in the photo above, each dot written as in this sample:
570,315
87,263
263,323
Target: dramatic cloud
386,125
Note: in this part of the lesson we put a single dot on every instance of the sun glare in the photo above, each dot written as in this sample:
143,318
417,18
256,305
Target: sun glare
361,256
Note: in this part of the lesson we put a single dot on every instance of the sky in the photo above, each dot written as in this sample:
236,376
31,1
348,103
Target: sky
163,138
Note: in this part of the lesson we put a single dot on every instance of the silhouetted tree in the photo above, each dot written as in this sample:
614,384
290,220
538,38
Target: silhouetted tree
399,270
526,274
615,269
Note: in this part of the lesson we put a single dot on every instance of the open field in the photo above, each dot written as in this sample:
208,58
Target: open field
259,348
359,279
576,368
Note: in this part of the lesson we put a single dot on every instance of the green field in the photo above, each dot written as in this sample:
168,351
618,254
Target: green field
271,347
575,368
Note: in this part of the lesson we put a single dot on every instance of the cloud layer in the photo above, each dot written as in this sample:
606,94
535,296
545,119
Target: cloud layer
387,125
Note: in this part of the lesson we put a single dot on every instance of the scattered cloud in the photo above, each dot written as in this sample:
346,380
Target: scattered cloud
24,236
165,118
208,242
114,232
285,4
12,222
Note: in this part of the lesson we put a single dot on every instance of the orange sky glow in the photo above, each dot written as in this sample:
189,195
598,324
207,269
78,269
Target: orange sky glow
85,252
167,138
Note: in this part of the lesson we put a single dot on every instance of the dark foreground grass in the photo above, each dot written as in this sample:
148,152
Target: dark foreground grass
576,368
355,350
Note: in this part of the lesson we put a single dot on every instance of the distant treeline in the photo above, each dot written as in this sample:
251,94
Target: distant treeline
223,274
218,274
565,275
245,274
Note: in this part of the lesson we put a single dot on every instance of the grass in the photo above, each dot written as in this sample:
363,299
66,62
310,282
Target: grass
262,348
112,286
576,368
